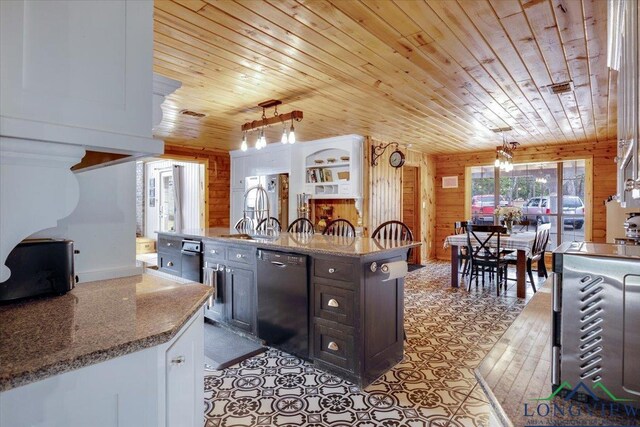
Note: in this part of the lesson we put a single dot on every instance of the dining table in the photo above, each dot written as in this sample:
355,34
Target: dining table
521,242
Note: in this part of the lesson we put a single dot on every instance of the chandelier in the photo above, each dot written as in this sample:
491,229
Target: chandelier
541,179
259,126
504,154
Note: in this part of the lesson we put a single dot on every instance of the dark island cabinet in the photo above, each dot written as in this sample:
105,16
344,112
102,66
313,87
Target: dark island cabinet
240,292
169,257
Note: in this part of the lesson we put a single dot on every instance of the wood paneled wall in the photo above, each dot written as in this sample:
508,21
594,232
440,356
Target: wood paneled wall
451,201
218,166
383,186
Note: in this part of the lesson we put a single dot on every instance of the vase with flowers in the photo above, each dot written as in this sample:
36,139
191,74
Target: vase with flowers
510,215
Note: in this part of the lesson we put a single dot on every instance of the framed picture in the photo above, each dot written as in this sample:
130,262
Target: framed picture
450,181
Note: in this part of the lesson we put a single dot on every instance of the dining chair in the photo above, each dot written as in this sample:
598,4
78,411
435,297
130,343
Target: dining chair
396,231
487,256
340,227
524,224
538,250
244,225
301,225
267,223
460,227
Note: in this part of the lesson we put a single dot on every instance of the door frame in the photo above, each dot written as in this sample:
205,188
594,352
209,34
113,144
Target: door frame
417,235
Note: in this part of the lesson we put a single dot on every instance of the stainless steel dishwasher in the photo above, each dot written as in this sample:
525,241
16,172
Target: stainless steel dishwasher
283,300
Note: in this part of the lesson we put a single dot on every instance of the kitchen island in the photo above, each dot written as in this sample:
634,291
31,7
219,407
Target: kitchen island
111,350
354,311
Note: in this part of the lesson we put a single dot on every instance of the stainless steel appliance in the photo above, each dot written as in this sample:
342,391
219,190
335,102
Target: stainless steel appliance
596,319
39,267
283,314
277,188
191,260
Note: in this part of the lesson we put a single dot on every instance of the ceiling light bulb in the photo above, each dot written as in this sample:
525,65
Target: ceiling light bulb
259,141
284,136
292,134
243,146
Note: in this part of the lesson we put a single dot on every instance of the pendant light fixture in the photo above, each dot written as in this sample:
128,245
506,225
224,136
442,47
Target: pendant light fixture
264,122
292,134
243,146
504,153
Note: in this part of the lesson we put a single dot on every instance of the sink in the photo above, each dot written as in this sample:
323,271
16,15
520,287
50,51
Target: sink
236,236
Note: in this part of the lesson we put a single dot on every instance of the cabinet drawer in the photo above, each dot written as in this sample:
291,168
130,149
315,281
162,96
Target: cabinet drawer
332,303
169,262
333,269
334,347
241,255
169,243
213,251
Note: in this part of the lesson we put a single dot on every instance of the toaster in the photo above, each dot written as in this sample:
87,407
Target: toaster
39,267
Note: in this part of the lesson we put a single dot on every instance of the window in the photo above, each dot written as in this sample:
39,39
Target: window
536,188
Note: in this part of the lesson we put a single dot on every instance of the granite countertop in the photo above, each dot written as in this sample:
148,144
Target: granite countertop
304,243
517,371
94,322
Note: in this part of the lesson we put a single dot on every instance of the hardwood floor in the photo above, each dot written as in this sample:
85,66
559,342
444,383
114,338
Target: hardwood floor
449,331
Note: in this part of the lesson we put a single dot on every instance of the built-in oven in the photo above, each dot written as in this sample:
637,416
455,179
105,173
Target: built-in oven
596,318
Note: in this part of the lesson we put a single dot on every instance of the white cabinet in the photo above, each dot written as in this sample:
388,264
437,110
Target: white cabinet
184,364
624,41
238,172
73,65
140,389
237,205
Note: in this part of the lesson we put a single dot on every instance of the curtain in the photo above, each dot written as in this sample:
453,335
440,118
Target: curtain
177,196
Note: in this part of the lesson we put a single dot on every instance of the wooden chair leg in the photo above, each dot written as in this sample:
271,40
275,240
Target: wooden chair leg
530,272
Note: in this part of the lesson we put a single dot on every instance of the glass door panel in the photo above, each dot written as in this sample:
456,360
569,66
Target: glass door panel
483,203
167,205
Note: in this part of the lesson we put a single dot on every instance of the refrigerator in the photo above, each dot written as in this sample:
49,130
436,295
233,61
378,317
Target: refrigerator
277,187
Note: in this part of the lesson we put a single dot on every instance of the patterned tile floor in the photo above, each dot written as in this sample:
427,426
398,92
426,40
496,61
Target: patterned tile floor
449,331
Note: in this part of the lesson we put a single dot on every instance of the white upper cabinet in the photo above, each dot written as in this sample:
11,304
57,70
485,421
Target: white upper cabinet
624,54
75,70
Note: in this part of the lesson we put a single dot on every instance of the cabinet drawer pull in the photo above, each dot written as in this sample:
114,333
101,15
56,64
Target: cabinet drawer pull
213,251
169,244
333,303
333,346
239,256
332,270
170,264
178,361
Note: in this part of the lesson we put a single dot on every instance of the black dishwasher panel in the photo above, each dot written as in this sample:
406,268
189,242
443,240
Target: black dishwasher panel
283,295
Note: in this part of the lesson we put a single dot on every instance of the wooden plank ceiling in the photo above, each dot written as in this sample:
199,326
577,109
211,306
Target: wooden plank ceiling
438,74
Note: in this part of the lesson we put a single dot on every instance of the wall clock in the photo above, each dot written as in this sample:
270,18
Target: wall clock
396,159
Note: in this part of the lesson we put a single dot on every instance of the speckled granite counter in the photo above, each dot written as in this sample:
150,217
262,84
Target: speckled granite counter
94,322
517,371
304,243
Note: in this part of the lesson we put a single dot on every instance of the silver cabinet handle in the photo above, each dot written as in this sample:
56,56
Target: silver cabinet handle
170,264
169,244
228,270
333,303
332,270
213,251
239,256
333,346
178,361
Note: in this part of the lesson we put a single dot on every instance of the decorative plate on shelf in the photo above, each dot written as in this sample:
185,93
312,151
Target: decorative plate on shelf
331,160
345,158
319,162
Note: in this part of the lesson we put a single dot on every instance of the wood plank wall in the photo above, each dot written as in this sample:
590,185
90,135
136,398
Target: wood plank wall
383,187
218,165
451,202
